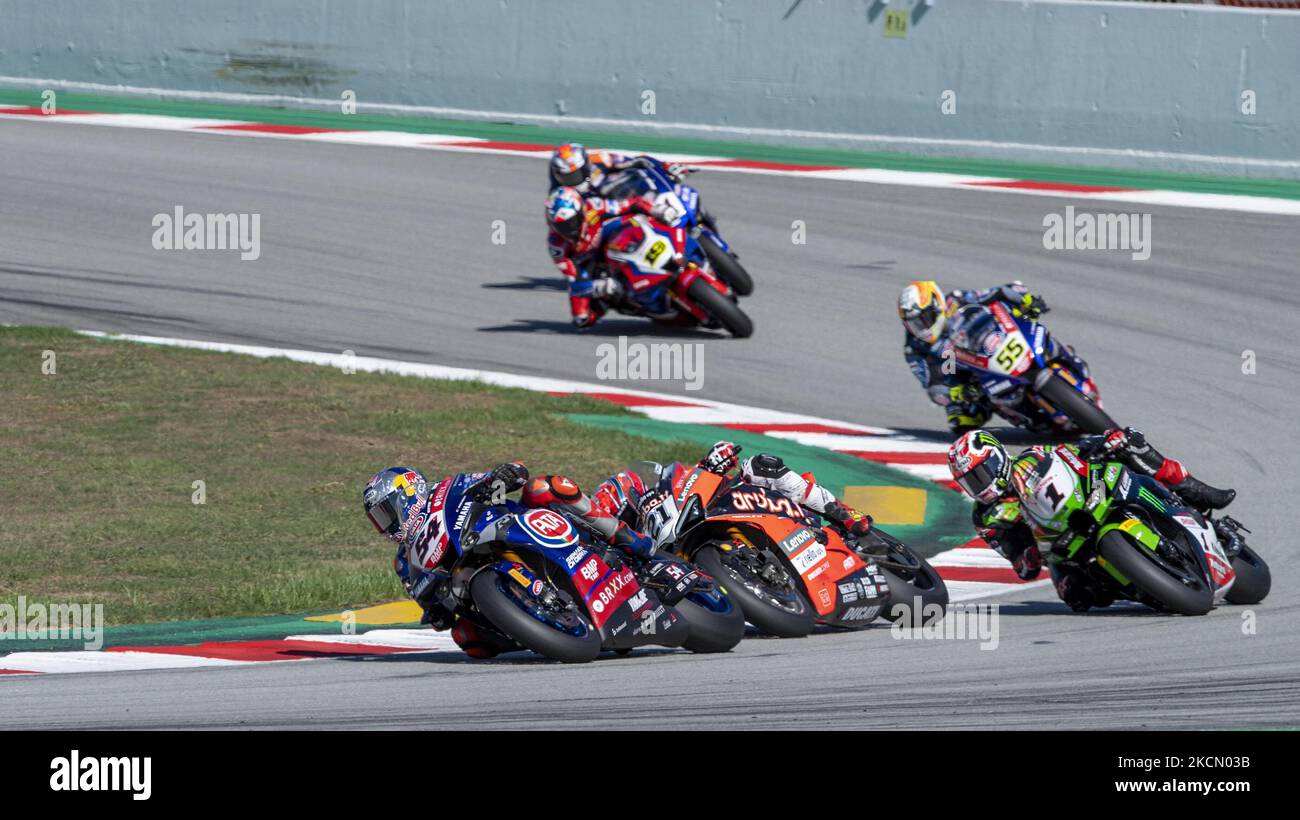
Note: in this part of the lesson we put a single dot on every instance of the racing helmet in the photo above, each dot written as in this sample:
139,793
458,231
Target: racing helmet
565,212
923,310
569,165
980,465
620,495
390,497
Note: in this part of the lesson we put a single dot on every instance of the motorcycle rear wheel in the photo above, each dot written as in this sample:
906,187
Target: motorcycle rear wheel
722,308
727,267
1089,417
508,616
1153,581
795,622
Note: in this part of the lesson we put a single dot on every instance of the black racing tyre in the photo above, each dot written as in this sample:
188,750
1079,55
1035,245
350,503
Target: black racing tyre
905,588
1253,578
711,631
794,618
1151,579
1061,394
722,308
506,614
727,267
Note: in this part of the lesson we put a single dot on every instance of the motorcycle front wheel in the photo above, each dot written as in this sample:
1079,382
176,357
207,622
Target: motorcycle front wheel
567,638
727,267
1253,578
1061,394
722,308
783,613
1188,595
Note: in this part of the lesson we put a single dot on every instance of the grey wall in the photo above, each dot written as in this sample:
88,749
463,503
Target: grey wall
1145,85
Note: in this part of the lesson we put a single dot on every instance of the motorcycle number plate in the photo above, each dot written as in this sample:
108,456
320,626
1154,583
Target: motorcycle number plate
653,253
1012,356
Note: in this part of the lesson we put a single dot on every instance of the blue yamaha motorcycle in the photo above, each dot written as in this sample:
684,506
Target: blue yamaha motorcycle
1020,374
532,575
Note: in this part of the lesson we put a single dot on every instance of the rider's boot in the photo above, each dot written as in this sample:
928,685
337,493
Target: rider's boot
848,520
1174,475
1201,495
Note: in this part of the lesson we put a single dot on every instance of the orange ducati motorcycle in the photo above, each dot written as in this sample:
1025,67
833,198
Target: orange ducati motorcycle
785,566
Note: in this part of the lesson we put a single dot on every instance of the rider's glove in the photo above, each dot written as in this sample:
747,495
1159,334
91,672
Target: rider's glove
665,211
513,475
963,394
722,458
504,478
1032,306
1113,441
678,170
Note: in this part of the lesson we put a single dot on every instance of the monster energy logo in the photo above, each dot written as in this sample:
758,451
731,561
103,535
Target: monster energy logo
1150,498
986,439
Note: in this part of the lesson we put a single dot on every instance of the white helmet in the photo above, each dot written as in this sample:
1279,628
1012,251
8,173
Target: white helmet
923,310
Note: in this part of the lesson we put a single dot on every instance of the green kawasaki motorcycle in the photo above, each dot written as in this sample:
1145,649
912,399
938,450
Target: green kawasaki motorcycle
1135,537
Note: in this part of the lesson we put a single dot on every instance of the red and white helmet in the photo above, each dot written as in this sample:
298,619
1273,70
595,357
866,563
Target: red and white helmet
620,496
566,211
980,466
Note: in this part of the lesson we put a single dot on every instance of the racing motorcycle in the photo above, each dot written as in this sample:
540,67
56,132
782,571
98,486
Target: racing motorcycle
1011,355
1136,539
656,279
680,206
530,574
786,568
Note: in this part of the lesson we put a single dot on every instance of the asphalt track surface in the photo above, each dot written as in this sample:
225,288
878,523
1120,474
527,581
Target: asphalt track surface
388,252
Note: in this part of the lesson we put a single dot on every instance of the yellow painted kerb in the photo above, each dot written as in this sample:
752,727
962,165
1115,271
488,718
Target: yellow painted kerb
888,505
397,612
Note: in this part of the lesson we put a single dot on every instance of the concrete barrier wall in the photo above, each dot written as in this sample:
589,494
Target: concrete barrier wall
1120,84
